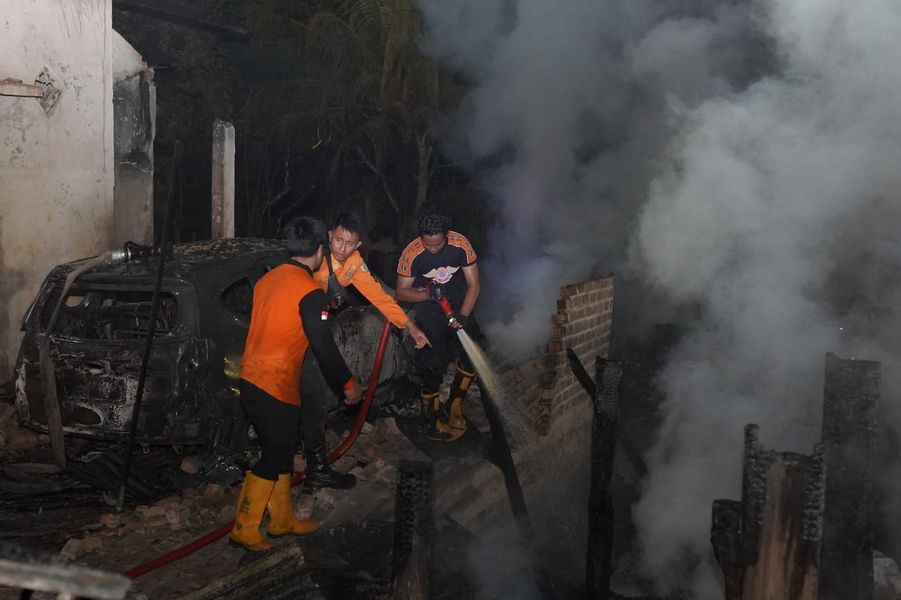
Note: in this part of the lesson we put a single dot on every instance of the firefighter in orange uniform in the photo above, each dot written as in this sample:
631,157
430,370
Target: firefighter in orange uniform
289,317
342,266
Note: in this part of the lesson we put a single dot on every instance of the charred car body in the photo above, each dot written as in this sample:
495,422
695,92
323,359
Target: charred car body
190,397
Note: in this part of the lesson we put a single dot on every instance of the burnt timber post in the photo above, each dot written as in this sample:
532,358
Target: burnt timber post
605,410
35,571
774,548
725,535
412,531
223,192
851,398
605,406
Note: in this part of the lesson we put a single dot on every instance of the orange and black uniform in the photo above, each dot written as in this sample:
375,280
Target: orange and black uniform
444,268
353,271
317,397
290,316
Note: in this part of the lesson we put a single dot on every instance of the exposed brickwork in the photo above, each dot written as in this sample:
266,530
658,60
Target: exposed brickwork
583,321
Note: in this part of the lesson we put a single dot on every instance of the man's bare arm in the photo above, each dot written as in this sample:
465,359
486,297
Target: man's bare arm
406,291
471,274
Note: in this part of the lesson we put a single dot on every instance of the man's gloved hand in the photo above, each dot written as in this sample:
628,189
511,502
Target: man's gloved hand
458,321
435,291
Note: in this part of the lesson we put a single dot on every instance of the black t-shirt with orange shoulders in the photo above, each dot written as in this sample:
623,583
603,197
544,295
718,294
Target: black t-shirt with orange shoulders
444,267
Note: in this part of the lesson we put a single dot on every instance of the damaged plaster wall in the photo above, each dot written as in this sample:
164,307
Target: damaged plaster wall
134,111
56,167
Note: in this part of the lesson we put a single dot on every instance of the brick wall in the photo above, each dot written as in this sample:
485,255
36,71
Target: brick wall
545,385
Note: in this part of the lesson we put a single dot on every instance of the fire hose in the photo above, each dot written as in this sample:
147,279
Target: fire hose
211,537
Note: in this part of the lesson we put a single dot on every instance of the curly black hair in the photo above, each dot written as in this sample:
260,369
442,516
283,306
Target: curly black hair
432,224
304,235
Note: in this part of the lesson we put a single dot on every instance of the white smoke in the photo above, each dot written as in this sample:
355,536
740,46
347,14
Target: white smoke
563,125
749,153
764,198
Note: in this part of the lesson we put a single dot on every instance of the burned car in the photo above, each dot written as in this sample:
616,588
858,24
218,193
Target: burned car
98,342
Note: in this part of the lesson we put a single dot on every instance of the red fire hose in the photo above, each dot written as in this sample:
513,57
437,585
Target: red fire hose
211,537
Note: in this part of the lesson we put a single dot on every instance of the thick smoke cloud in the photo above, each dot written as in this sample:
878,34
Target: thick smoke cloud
770,212
564,123
746,154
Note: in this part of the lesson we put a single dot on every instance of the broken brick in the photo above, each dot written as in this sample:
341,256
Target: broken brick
300,464
72,549
169,502
21,439
191,465
92,544
303,508
110,520
178,518
226,513
213,490
151,512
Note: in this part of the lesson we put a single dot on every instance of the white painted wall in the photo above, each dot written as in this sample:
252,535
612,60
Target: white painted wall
56,169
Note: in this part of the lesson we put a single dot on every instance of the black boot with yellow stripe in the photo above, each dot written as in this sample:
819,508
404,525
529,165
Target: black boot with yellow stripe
435,428
451,412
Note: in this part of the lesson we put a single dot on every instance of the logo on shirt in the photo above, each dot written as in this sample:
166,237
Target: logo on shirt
324,315
441,274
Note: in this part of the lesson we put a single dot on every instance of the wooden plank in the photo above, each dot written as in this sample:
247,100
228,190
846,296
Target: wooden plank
14,87
30,570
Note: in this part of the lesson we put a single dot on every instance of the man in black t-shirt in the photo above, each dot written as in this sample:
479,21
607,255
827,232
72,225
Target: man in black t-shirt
441,264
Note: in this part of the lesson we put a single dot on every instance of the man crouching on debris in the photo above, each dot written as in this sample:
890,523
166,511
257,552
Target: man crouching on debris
342,266
290,313
437,271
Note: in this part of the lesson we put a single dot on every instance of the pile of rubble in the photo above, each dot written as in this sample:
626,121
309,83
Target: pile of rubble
194,511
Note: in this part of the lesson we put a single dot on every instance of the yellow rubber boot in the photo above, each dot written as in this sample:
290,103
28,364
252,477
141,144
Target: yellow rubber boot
281,511
249,513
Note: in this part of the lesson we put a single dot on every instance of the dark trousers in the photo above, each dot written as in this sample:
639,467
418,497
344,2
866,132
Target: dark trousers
430,363
316,397
275,423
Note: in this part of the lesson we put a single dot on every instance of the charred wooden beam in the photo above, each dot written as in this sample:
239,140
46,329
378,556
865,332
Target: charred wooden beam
605,405
725,535
412,531
36,571
851,398
780,527
628,449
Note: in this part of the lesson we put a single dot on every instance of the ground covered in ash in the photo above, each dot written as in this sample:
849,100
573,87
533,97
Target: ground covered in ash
174,498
